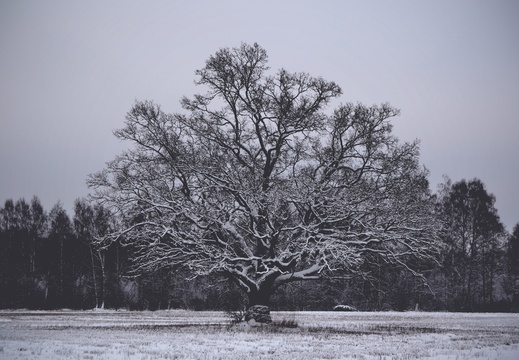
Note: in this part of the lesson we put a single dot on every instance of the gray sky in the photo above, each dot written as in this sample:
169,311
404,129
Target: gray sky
70,70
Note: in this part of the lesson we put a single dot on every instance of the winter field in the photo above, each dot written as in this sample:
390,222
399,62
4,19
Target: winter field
179,334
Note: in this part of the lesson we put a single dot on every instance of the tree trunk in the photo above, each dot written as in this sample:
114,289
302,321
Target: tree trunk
33,255
96,292
61,273
103,277
258,309
260,297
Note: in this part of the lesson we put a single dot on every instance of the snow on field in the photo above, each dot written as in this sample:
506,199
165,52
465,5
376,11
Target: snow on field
182,334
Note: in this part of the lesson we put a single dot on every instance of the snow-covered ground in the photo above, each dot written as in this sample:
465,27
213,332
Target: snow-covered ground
182,334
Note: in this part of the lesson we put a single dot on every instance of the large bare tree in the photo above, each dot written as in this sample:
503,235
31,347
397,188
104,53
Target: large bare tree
254,181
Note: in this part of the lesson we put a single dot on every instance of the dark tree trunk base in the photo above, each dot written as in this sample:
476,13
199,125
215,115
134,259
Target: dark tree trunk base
258,313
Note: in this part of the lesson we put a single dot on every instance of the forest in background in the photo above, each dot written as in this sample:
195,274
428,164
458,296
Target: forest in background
51,260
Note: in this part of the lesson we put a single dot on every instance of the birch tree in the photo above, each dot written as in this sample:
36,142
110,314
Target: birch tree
255,181
91,223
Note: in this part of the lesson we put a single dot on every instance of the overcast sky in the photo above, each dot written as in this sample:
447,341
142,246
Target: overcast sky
70,70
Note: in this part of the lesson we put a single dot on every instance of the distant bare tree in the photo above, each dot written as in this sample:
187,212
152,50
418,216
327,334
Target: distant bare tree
474,237
59,237
513,267
91,223
256,183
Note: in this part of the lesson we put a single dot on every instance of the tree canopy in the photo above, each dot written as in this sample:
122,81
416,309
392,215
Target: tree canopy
255,181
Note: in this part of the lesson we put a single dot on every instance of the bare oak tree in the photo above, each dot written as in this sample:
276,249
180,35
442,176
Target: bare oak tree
256,183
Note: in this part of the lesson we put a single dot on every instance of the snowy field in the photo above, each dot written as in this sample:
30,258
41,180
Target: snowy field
207,335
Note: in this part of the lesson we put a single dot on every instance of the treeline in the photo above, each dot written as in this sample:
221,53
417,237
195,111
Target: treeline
49,260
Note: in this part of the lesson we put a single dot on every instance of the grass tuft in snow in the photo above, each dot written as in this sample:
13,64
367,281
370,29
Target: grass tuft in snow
286,323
